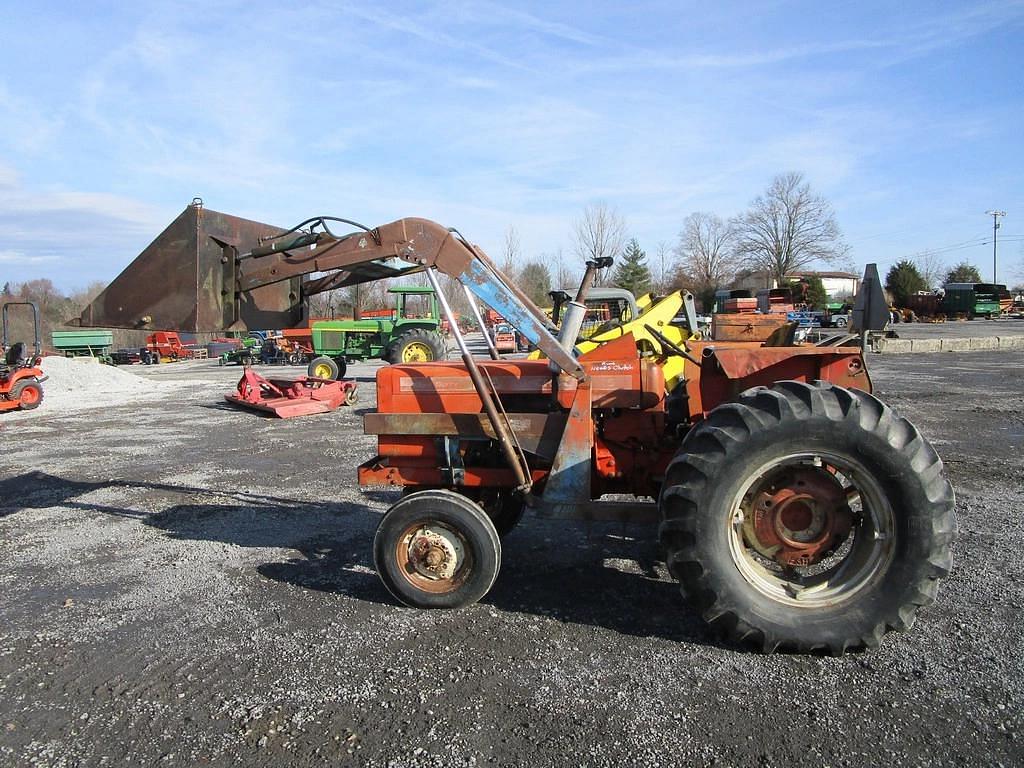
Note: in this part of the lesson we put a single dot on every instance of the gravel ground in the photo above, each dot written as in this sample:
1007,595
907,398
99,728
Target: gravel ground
188,584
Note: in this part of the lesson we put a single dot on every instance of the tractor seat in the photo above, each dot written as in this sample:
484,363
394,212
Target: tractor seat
15,357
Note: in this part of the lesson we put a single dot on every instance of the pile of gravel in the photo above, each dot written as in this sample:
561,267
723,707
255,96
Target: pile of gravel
80,376
75,384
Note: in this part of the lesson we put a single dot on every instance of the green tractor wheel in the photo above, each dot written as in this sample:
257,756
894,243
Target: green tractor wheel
416,346
326,368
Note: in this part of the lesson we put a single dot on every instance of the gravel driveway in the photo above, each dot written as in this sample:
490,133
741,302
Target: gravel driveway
187,584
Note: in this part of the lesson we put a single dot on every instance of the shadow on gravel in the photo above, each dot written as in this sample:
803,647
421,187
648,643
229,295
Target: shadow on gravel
582,587
560,577
218,405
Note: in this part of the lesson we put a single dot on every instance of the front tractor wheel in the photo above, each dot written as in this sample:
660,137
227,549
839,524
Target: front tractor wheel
437,549
324,368
807,517
28,394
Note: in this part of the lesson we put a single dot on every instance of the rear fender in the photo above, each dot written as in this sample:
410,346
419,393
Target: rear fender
726,370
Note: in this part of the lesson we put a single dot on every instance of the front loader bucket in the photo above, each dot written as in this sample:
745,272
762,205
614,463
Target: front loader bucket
185,281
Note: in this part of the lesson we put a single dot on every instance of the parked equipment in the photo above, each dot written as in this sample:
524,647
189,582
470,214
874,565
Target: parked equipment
166,347
607,308
505,338
246,353
409,333
975,300
21,378
88,343
796,510
286,398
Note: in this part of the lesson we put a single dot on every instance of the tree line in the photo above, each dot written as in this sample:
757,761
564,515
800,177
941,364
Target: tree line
785,229
906,278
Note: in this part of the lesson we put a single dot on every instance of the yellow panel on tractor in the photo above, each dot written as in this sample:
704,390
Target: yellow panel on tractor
659,315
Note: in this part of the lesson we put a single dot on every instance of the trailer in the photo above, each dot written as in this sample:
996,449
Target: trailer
95,343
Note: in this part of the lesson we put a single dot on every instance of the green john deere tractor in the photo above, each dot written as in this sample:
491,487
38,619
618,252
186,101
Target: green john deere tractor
409,333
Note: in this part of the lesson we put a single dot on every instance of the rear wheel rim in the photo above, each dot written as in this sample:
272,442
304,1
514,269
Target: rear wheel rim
322,371
832,576
417,352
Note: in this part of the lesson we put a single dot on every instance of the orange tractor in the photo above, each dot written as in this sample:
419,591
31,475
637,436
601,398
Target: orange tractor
796,510
21,379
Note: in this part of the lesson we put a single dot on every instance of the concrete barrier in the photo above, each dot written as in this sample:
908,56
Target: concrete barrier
894,346
984,342
956,345
959,344
926,345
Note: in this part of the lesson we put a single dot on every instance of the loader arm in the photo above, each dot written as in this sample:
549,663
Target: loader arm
210,271
416,245
222,272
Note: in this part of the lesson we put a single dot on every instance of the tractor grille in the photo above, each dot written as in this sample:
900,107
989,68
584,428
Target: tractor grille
332,339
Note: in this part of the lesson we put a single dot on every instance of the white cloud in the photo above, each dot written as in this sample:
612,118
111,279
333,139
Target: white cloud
23,259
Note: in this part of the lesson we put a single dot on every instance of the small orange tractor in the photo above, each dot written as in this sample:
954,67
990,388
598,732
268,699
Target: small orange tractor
21,379
796,510
505,338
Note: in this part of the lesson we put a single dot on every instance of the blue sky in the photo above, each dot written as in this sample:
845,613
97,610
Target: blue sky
907,116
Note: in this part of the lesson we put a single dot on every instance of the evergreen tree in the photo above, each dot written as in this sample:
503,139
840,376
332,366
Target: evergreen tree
632,272
817,297
904,280
964,273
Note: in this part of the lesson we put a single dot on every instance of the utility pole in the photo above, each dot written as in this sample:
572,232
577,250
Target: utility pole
995,226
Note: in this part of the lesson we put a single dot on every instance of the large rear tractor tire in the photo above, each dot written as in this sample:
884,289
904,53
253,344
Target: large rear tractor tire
807,517
437,549
28,394
416,346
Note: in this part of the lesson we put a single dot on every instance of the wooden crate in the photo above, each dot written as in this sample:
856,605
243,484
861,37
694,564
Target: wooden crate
735,327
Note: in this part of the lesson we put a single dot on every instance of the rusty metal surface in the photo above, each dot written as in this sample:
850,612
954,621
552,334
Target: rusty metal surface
537,433
738,362
799,520
179,281
568,482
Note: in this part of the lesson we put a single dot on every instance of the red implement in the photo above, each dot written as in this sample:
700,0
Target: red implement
286,398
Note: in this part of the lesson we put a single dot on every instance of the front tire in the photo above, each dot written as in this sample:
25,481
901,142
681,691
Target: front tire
28,394
324,368
437,549
807,517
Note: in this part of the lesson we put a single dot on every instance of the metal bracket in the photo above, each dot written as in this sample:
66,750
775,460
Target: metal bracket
454,470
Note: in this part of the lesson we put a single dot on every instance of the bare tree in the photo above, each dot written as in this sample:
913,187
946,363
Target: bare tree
511,252
600,232
564,276
535,281
930,268
707,252
661,267
789,227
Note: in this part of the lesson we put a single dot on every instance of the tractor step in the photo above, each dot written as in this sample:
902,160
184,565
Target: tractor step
288,398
